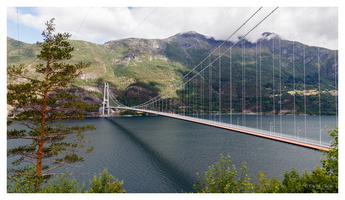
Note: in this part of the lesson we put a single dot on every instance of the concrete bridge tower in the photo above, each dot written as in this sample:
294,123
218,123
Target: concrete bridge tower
105,104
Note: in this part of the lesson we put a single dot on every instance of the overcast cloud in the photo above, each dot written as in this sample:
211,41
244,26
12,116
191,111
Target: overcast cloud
312,26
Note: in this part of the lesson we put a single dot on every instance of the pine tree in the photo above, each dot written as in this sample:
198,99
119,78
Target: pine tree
43,105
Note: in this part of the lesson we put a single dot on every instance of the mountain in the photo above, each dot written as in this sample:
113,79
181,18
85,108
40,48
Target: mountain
139,69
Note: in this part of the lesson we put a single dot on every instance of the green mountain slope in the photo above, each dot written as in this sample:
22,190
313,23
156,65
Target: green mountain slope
139,69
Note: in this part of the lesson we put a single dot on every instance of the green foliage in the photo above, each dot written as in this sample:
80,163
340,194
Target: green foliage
42,104
24,180
330,164
223,177
105,183
317,181
292,182
63,184
267,185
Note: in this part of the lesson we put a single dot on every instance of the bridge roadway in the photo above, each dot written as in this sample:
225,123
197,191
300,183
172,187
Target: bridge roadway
242,129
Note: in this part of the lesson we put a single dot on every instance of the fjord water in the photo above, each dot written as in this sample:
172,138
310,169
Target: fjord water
159,154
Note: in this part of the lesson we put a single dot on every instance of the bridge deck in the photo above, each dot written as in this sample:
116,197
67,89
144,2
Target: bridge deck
252,131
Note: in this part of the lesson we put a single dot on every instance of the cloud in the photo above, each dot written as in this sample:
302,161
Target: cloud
313,26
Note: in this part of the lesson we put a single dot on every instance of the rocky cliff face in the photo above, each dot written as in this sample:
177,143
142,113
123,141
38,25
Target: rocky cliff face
136,50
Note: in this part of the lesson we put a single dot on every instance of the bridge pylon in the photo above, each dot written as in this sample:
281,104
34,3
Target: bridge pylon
105,104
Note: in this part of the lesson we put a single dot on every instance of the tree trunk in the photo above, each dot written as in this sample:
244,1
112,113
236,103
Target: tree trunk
41,138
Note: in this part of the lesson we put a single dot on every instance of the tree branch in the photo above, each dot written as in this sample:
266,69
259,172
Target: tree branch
62,164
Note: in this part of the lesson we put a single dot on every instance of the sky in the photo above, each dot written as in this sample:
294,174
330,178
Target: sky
314,26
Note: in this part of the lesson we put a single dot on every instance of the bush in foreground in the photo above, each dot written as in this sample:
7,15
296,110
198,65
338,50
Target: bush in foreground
103,183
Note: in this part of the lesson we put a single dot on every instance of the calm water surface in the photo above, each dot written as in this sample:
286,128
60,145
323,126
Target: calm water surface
158,154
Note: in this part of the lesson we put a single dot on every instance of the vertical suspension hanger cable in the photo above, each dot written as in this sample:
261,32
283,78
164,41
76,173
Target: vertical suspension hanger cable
294,88
200,94
256,86
200,89
162,104
184,99
197,102
319,75
201,108
319,80
242,80
158,106
304,95
193,96
202,81
230,82
210,90
220,87
280,79
190,90
273,87
169,105
196,99
260,85
189,97
243,84
304,83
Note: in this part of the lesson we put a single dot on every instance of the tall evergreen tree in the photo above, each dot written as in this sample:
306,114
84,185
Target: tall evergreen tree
43,105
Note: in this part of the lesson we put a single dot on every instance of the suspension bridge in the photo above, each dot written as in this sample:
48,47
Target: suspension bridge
107,109
200,96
